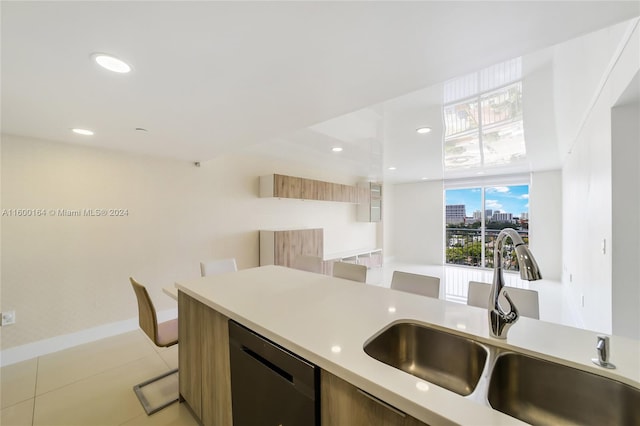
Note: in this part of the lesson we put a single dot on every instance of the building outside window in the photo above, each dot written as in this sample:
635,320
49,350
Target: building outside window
469,239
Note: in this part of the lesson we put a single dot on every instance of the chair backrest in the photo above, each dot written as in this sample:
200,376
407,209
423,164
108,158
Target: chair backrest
218,266
525,300
146,312
350,271
308,263
416,283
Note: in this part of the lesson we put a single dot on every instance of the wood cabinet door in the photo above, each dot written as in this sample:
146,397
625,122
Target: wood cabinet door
289,244
216,369
345,405
344,193
287,186
310,189
189,351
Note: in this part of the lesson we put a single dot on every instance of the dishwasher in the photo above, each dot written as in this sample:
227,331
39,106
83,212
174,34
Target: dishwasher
270,386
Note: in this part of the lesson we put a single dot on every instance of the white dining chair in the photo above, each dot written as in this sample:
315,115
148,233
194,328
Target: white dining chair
308,263
350,271
424,285
525,300
219,266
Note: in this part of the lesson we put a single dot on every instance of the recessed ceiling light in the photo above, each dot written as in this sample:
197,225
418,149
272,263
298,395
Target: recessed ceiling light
392,168
111,63
336,149
83,132
425,178
423,130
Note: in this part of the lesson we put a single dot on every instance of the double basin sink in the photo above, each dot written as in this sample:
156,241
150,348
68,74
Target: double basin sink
533,390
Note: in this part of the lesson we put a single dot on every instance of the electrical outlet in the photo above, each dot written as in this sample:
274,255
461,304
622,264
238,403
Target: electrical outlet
8,318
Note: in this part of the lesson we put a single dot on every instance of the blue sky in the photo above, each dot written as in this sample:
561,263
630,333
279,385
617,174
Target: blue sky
509,199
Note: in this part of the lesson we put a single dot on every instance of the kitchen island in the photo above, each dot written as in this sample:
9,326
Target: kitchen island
327,321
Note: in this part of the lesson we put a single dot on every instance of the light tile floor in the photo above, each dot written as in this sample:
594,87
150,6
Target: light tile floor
90,384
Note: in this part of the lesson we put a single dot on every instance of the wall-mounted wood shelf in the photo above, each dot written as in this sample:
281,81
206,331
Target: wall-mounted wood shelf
281,186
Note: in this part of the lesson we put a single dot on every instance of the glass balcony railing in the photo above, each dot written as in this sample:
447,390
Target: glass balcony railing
464,247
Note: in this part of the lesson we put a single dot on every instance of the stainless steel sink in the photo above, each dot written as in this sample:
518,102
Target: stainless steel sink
544,393
447,360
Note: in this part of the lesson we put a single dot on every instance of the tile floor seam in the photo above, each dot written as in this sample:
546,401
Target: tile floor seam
17,403
93,375
35,388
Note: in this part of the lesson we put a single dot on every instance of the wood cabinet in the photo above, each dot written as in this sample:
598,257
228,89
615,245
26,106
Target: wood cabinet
203,352
345,405
282,186
205,377
189,351
370,203
282,247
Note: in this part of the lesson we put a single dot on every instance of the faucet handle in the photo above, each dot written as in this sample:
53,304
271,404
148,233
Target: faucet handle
513,313
602,346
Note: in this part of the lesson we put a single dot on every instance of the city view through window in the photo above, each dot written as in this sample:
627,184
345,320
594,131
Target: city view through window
475,216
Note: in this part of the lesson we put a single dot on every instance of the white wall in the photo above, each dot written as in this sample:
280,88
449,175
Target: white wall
388,234
545,224
625,247
580,65
588,211
417,226
65,274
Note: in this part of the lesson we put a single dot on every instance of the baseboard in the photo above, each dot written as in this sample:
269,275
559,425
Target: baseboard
58,343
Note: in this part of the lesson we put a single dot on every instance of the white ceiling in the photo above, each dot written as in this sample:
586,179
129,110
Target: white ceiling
283,79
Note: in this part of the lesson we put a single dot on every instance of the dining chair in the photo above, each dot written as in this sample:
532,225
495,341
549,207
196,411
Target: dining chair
162,334
416,283
525,300
308,263
350,271
218,266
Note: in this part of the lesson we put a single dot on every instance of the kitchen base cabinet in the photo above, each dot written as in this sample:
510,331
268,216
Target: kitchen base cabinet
203,352
345,405
205,377
190,352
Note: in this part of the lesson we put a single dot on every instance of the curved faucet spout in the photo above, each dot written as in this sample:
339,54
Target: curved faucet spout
500,320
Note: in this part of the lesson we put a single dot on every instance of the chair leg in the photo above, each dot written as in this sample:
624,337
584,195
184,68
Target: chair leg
143,400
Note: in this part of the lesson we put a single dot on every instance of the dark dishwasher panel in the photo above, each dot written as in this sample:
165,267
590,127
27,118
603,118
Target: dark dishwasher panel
270,386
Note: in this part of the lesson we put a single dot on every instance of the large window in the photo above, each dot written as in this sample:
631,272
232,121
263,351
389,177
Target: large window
483,118
475,216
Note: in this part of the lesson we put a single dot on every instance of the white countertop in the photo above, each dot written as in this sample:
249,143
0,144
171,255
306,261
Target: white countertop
312,314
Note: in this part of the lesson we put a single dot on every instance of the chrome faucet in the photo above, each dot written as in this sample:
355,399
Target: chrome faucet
500,320
603,353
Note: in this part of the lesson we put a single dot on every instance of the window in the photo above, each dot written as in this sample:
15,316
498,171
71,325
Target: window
475,216
483,118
